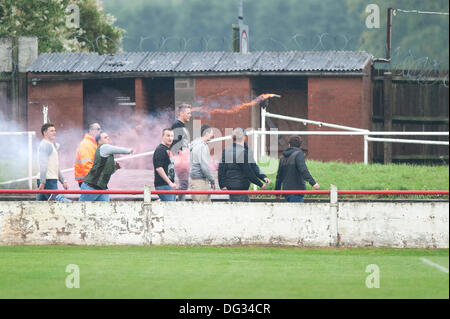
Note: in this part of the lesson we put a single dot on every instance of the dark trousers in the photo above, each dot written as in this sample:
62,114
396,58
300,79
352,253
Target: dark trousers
239,198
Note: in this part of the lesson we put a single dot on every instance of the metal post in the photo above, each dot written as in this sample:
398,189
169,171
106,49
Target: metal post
255,146
334,209
147,194
366,150
30,160
263,131
387,114
388,35
15,78
45,112
255,151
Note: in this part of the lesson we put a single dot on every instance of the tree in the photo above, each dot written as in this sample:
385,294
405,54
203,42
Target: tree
50,21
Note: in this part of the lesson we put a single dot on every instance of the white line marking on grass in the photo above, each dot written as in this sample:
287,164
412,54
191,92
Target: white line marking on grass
430,263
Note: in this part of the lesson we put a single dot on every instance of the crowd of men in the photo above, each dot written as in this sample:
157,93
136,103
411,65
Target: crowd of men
175,157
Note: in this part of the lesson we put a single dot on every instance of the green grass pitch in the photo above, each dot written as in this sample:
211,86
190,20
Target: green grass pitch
221,272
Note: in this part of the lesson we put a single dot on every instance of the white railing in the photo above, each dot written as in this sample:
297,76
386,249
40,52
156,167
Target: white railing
265,114
347,131
30,155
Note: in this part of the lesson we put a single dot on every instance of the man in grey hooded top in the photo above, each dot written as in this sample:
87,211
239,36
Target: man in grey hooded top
199,157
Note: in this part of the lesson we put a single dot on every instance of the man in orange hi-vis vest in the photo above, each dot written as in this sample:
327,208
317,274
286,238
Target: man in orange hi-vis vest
84,158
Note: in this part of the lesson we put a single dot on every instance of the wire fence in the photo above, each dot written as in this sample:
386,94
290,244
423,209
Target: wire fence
415,67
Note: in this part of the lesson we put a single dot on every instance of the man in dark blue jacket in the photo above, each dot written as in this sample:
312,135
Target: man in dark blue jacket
235,171
292,171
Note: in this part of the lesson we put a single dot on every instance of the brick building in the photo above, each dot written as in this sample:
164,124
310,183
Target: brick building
333,87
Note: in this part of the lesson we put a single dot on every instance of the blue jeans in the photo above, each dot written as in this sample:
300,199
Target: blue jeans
49,184
166,198
295,198
92,197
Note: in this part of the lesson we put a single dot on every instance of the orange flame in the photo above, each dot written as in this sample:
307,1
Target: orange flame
237,108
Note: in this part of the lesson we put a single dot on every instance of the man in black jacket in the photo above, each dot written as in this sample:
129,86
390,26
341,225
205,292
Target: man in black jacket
292,171
180,148
235,171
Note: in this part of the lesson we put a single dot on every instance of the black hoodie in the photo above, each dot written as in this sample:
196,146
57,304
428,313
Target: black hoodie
292,171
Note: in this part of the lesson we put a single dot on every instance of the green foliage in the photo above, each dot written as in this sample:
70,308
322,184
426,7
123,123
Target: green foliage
47,20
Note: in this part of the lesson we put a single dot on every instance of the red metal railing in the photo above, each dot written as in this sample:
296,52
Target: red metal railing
228,192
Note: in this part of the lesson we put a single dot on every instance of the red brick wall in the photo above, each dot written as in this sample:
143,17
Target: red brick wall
224,92
343,101
65,110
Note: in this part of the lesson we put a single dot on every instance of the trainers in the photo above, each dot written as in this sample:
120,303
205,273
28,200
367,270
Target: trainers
61,198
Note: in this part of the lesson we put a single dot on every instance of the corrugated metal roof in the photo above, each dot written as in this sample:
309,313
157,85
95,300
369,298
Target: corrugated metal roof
161,61
88,62
328,61
51,62
199,61
273,61
122,62
235,62
289,61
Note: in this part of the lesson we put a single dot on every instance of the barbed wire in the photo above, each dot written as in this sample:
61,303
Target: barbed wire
420,69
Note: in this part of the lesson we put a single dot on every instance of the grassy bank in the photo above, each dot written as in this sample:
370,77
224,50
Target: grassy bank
369,177
15,169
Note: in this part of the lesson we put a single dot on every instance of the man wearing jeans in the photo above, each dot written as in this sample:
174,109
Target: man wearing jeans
49,171
163,165
180,147
104,166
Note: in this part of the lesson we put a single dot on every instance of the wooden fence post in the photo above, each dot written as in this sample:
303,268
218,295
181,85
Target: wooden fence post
387,107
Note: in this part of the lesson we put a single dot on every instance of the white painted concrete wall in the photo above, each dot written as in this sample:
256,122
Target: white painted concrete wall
394,224
192,223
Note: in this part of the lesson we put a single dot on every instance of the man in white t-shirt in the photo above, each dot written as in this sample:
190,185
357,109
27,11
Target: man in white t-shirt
49,172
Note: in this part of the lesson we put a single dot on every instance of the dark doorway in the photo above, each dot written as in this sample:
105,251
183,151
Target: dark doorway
293,102
109,102
160,94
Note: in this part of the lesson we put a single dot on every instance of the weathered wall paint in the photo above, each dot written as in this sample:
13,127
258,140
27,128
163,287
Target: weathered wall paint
220,223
